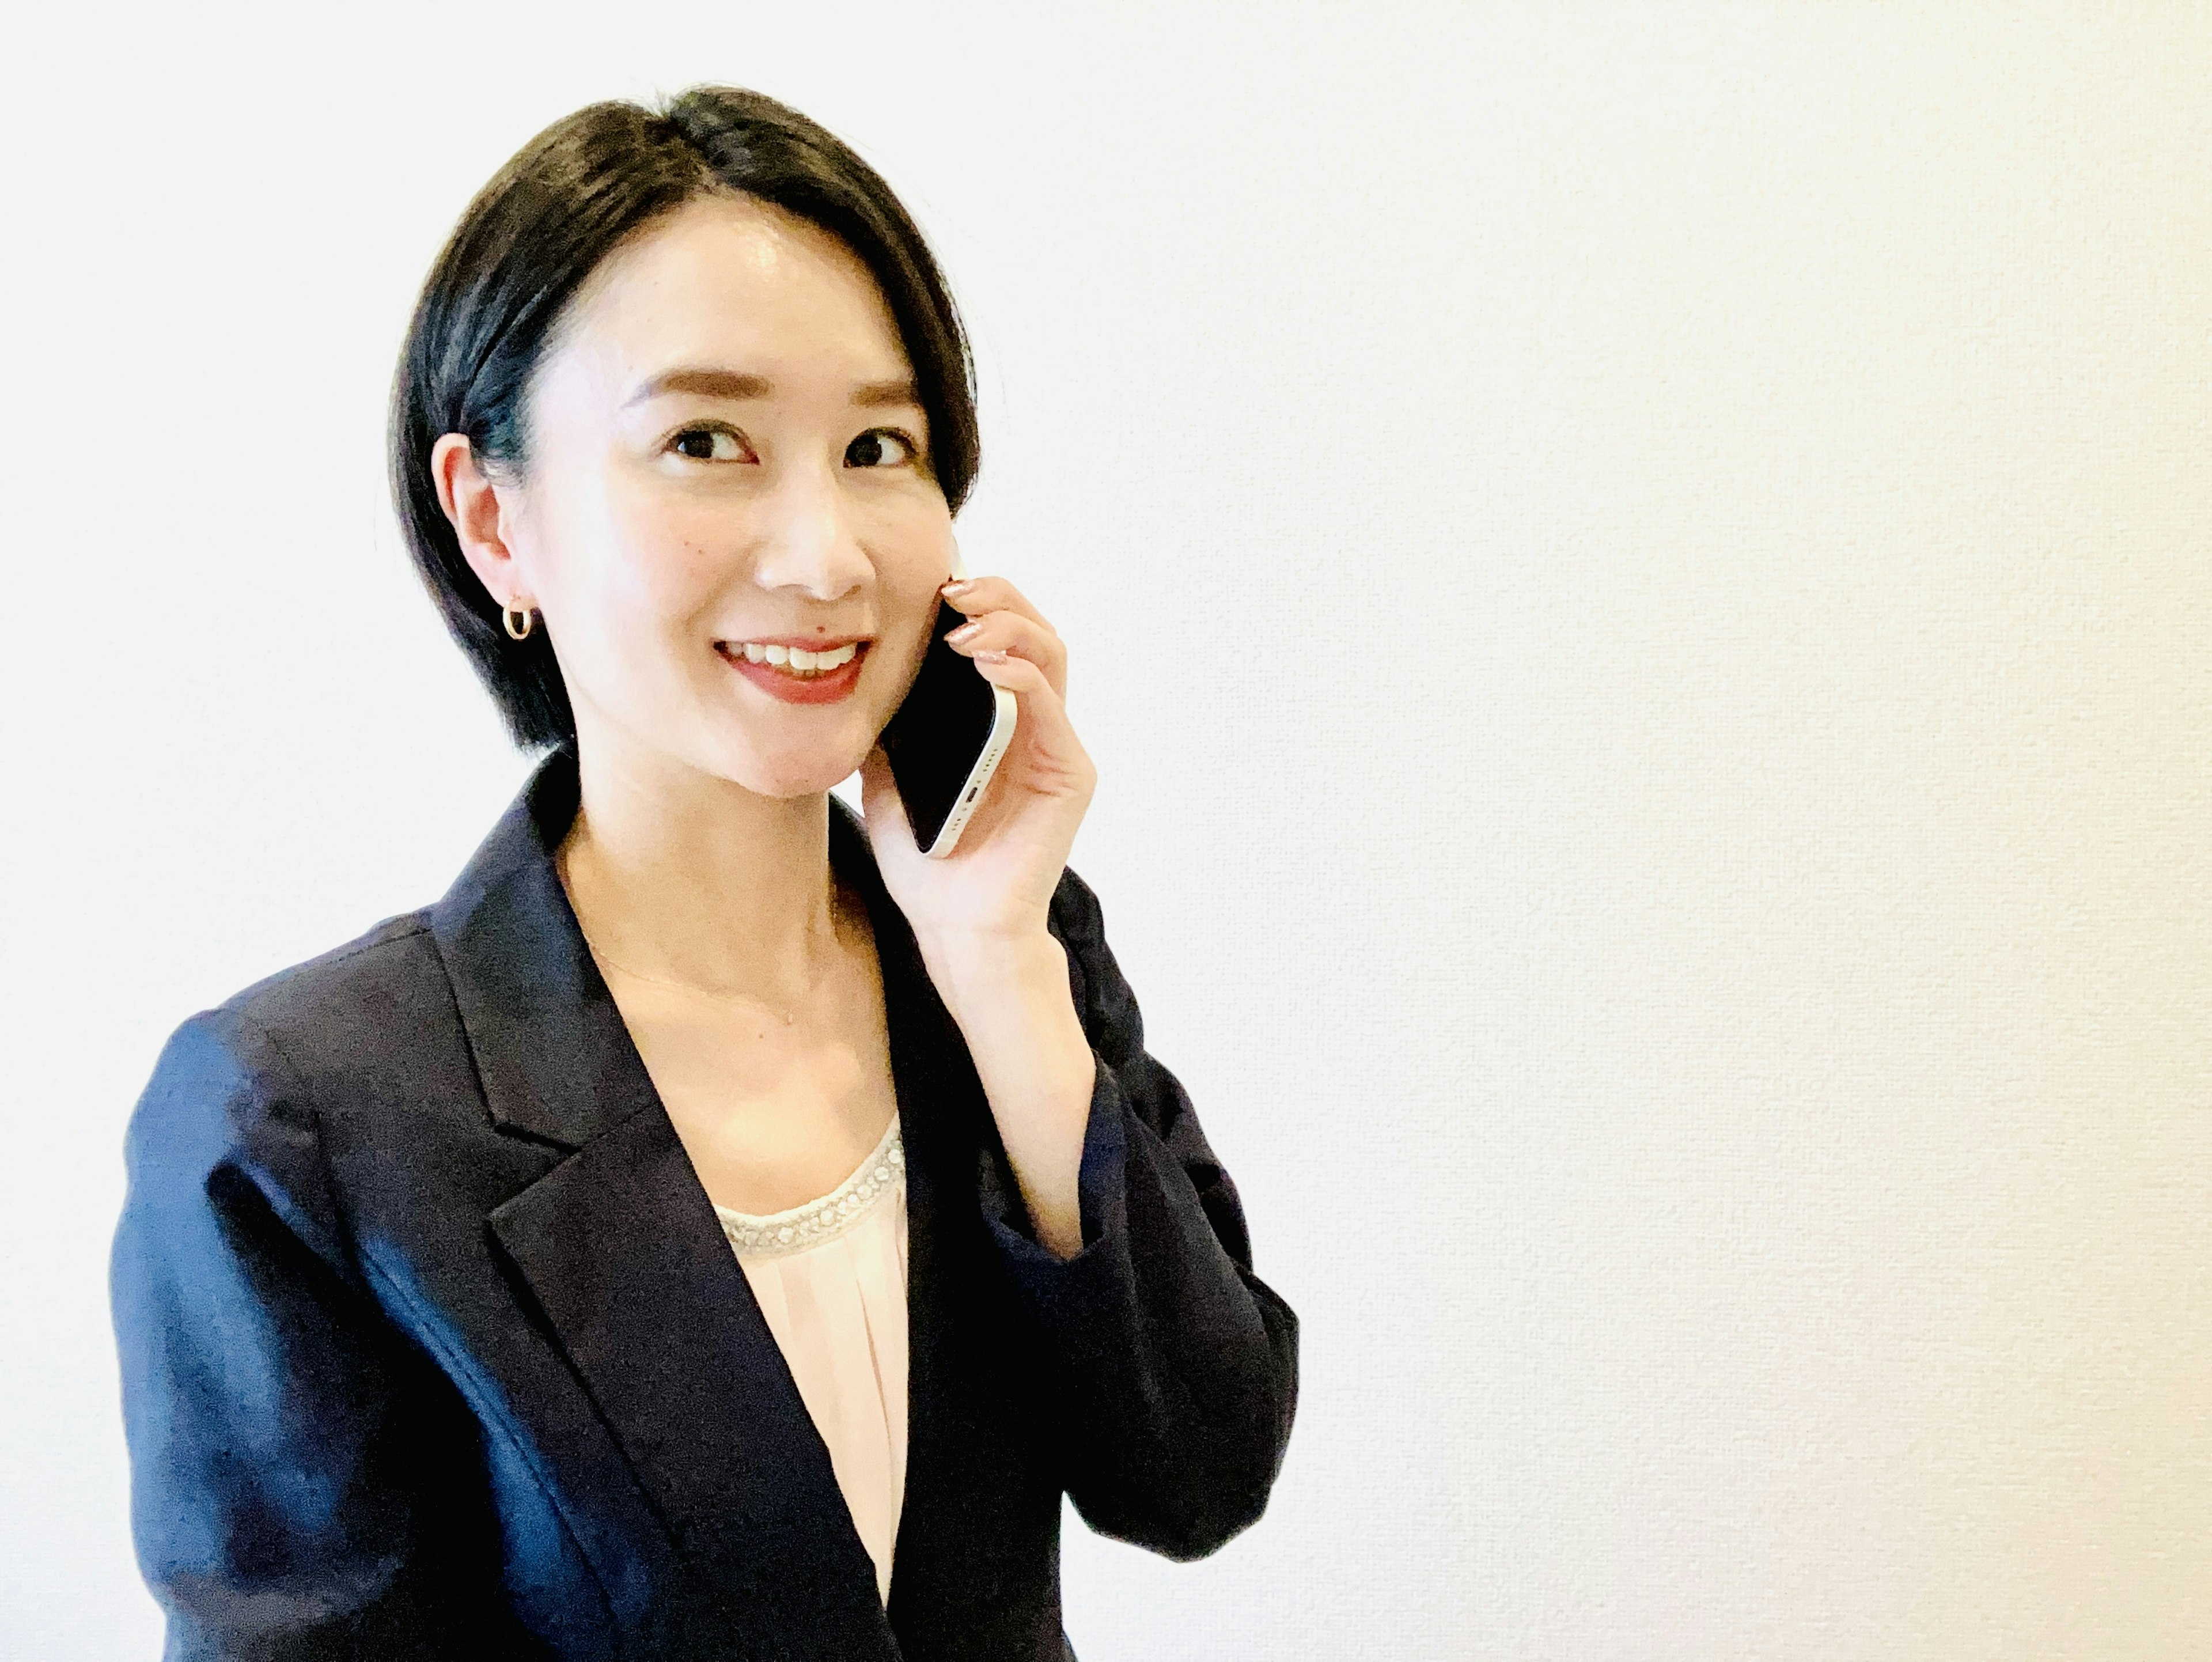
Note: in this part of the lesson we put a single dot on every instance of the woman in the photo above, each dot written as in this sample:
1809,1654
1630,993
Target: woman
713,1229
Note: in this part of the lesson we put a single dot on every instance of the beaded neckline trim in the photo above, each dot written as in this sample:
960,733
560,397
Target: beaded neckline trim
776,1234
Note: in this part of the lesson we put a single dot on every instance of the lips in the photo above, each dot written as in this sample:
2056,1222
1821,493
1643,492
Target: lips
787,688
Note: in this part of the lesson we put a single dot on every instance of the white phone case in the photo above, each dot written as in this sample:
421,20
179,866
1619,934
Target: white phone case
994,749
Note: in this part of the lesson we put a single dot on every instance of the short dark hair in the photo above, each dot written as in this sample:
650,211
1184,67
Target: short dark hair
524,246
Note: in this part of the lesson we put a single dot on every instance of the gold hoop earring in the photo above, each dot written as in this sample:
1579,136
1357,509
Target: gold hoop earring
529,622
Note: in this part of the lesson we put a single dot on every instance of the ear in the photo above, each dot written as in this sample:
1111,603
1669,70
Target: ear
479,514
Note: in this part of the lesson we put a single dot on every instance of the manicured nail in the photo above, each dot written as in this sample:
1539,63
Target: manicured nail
995,655
965,632
959,587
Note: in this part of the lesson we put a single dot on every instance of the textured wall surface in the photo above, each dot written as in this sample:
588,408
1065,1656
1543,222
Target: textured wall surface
1647,566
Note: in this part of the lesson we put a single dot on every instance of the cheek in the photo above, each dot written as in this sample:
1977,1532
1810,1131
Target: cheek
652,558
911,545
637,575
910,533
907,512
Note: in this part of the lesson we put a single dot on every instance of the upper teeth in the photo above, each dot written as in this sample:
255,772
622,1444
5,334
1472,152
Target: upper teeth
800,657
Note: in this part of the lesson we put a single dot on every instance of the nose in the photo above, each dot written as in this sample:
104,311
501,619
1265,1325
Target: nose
808,540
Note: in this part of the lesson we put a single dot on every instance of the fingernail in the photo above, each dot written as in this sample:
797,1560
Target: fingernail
995,655
958,586
965,632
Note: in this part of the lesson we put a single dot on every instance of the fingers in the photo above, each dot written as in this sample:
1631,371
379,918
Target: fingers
1018,637
1056,762
1013,647
980,595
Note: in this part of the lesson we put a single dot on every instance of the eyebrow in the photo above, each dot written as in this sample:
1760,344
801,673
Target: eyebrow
736,384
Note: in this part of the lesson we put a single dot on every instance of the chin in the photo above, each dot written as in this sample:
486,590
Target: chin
791,775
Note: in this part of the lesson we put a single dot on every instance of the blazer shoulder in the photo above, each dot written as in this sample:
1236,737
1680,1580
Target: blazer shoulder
333,1011
352,995
367,954
245,1083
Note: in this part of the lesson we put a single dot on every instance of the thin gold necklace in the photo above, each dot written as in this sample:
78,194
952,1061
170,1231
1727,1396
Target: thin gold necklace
789,1019
600,955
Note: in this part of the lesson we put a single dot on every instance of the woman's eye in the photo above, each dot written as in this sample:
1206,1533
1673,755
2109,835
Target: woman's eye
880,447
710,444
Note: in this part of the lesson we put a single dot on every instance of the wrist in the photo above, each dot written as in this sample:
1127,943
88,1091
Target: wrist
1014,1005
979,970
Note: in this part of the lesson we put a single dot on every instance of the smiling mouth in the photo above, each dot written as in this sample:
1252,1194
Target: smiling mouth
799,663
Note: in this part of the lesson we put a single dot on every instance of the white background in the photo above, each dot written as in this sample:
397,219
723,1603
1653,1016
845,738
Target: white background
1638,584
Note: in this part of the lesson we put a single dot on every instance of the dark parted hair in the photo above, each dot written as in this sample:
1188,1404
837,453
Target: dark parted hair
524,246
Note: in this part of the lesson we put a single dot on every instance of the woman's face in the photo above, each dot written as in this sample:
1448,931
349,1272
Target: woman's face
725,446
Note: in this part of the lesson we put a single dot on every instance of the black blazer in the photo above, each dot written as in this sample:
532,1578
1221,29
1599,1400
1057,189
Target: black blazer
433,1346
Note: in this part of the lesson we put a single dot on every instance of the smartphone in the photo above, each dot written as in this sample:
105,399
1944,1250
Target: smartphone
945,742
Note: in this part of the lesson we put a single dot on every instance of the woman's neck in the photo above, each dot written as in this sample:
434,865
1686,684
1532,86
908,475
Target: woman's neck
678,876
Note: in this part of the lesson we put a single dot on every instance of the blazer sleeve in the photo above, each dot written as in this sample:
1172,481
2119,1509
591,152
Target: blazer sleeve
1176,1367
282,1431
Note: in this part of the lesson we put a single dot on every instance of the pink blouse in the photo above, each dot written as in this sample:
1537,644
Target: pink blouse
830,1278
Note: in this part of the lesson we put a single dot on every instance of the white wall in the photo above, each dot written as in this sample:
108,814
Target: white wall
1639,587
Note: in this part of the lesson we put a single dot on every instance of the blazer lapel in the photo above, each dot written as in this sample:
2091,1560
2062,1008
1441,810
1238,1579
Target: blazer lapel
628,1262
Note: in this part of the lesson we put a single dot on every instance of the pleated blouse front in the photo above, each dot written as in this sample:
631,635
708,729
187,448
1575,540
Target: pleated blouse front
830,1278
